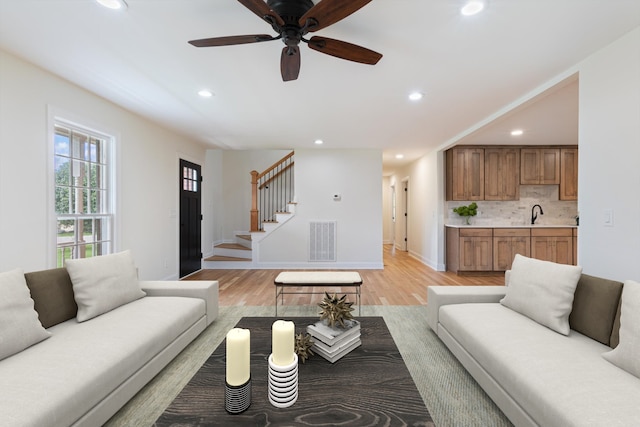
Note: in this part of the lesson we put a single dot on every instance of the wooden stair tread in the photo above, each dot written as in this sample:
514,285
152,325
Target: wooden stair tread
232,246
244,236
225,258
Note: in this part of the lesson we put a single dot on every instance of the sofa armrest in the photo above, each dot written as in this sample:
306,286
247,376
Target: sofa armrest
204,289
438,296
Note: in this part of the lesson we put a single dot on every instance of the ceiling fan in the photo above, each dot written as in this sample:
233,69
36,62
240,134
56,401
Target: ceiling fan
292,20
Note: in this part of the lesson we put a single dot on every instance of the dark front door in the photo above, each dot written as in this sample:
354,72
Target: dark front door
190,218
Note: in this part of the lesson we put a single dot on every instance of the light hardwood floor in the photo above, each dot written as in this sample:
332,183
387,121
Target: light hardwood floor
403,281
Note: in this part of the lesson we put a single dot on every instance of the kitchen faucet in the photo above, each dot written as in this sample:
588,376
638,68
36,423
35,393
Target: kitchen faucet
535,215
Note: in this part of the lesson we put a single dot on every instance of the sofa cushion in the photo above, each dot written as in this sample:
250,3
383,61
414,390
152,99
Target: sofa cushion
57,381
19,324
103,283
627,354
595,303
542,291
560,381
52,293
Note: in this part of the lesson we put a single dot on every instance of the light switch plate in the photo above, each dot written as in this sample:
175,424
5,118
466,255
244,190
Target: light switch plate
608,218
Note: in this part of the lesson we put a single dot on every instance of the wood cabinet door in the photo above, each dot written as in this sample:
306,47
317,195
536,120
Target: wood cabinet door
476,254
554,249
467,174
506,248
549,166
569,174
501,174
540,166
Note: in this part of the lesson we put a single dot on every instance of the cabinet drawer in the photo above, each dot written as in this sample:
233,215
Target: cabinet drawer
476,232
511,232
551,232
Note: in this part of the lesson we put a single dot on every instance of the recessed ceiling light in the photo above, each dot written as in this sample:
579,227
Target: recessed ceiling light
113,4
205,93
517,132
472,7
399,156
318,142
416,96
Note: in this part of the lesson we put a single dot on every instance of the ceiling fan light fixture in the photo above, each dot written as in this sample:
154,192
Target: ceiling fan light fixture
113,4
473,7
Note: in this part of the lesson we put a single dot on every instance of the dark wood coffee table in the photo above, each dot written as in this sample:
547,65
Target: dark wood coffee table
370,386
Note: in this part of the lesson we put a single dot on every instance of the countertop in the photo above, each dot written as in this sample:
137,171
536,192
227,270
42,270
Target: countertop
510,226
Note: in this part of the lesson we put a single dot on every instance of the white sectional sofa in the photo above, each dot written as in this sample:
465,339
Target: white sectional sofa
536,375
83,372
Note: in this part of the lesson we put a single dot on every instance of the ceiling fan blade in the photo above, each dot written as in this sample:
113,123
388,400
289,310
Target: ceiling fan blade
344,50
290,63
328,12
260,8
231,40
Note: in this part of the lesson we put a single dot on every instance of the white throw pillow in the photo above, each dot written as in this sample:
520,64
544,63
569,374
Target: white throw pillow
542,291
19,324
627,354
103,283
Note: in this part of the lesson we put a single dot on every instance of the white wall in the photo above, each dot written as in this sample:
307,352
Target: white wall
212,205
387,222
236,191
147,172
319,174
609,162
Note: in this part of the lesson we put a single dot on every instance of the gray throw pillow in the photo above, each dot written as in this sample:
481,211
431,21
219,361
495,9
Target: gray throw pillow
595,304
103,283
542,291
52,292
19,324
626,354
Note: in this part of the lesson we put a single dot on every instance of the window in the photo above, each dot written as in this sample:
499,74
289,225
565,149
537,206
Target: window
83,194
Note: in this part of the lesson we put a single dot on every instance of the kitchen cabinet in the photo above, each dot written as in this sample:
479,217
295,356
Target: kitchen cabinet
507,242
568,174
469,249
539,166
552,244
502,174
465,174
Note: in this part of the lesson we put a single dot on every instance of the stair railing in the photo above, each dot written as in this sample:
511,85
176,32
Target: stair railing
271,190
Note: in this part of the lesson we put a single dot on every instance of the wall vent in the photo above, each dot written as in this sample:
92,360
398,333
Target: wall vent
322,240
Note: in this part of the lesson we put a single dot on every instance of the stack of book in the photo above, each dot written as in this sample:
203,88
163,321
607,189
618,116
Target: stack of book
334,342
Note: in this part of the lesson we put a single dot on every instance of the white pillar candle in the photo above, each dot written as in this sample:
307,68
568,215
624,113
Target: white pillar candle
238,356
282,342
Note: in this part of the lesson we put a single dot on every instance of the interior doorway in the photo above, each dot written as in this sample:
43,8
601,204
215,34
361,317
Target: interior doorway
190,218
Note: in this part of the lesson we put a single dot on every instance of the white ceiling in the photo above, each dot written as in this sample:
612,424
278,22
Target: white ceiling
471,69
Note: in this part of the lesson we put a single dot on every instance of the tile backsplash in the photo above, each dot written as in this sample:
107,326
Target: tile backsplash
518,212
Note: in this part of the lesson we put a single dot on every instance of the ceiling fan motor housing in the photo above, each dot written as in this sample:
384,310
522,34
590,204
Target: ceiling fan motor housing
290,10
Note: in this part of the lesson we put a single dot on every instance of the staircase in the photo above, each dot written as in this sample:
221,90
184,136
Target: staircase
238,255
271,207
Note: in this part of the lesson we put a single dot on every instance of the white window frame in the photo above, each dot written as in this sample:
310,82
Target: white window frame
111,138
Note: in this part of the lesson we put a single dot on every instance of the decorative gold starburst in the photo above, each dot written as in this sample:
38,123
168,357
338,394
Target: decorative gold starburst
303,346
335,310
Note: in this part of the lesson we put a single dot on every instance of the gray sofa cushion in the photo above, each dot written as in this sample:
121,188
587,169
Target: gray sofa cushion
595,303
52,293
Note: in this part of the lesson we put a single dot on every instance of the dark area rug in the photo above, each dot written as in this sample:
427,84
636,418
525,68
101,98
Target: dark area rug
370,386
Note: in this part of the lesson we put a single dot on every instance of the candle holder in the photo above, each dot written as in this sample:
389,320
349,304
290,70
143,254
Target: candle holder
237,398
283,383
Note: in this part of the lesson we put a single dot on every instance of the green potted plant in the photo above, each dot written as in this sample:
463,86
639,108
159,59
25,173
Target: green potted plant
467,211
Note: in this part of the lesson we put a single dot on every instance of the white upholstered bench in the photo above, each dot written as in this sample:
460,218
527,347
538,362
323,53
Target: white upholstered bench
311,279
